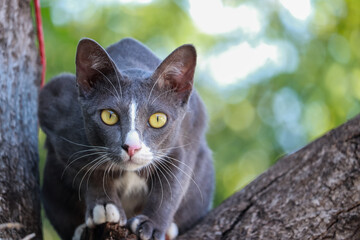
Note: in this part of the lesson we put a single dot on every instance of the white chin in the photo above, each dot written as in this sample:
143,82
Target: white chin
131,166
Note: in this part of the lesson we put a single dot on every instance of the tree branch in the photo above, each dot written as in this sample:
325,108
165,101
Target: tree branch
108,231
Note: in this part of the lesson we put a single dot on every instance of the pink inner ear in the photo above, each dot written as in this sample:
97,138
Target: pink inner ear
91,61
179,77
176,72
85,75
181,82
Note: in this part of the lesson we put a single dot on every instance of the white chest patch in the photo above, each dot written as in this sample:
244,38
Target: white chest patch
130,183
132,190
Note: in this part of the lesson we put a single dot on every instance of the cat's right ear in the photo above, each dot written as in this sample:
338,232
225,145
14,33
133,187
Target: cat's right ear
176,72
93,64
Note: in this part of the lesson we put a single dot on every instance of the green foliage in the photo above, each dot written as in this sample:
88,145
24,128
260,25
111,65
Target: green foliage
255,120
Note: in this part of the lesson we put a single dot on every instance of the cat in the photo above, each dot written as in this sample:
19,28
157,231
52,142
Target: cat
125,142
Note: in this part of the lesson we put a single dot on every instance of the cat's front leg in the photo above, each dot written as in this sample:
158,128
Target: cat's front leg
102,205
99,211
157,218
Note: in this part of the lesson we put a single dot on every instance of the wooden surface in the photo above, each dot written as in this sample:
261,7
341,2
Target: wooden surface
19,81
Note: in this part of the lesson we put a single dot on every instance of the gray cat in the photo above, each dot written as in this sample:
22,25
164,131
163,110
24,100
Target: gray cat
126,142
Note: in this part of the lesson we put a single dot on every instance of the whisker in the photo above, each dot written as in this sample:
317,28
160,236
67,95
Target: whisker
176,160
83,145
170,172
82,151
105,174
151,167
78,158
96,165
202,199
161,95
108,170
117,97
148,172
166,181
169,148
85,166
144,170
111,169
117,76
91,170
162,190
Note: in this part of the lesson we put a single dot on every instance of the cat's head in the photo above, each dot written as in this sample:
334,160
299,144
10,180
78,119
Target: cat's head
134,115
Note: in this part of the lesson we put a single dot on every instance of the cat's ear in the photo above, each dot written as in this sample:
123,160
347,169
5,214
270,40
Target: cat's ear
176,72
93,64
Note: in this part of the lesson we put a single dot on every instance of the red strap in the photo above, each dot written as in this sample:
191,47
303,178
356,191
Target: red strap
40,35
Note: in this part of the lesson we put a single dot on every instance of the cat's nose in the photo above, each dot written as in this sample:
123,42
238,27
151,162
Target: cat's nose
132,143
131,149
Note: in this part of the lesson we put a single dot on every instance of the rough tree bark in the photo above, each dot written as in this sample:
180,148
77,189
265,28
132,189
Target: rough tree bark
313,193
19,83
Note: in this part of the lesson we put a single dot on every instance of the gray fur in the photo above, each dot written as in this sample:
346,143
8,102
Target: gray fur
180,188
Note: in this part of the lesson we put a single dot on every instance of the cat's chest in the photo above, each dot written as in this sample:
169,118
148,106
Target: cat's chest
132,190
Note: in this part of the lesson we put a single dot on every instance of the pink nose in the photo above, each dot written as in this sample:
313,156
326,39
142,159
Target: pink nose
131,150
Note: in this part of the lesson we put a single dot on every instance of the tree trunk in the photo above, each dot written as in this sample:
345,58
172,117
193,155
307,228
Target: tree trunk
311,194
19,83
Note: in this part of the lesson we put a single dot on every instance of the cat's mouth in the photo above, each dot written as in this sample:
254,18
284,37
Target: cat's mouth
134,163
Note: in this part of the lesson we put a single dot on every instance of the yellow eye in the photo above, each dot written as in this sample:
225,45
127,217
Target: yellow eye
109,117
157,120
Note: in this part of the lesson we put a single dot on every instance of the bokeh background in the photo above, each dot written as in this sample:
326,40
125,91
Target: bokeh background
274,74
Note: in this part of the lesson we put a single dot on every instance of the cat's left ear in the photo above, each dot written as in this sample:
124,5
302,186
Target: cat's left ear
176,72
93,64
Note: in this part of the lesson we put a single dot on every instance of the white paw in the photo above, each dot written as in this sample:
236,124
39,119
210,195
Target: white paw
78,232
134,225
145,229
172,232
99,216
112,213
102,214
